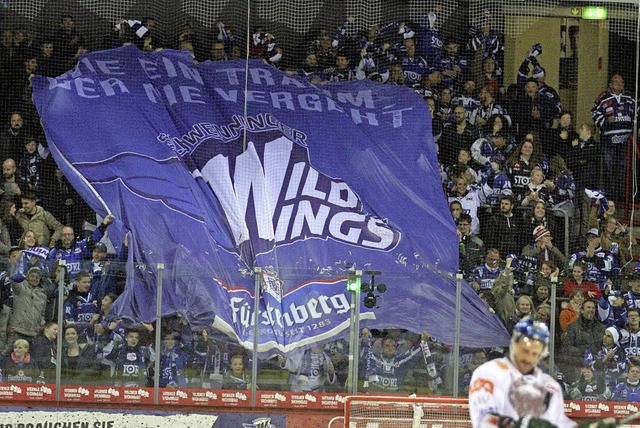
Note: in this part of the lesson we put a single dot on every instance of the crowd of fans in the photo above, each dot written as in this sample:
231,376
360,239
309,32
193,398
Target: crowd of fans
514,166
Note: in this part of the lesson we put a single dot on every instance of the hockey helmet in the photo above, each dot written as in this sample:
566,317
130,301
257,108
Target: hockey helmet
533,329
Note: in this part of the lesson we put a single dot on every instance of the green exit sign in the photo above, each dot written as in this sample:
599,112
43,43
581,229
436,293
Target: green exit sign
594,13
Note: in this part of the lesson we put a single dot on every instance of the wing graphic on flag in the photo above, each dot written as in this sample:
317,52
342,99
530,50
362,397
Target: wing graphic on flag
310,183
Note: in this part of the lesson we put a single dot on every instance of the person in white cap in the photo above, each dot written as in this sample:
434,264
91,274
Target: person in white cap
609,359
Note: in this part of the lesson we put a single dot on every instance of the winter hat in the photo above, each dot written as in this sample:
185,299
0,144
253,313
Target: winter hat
615,333
539,232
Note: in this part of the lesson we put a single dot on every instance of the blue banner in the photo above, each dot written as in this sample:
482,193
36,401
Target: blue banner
215,179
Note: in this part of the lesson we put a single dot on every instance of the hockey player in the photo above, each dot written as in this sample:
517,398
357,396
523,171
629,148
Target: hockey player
514,391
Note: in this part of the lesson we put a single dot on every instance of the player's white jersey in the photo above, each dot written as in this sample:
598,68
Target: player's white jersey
498,387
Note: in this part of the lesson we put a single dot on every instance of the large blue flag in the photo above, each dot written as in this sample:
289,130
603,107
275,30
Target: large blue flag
216,175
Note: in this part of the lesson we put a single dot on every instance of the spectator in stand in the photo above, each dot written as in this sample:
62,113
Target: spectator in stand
591,386
452,65
524,307
341,71
612,311
471,246
33,217
601,210
601,264
541,295
310,370
486,42
456,136
614,113
570,314
218,52
582,158
75,252
583,334
629,390
467,97
237,377
533,111
543,249
21,88
48,61
12,183
32,255
614,238
414,67
387,371
225,35
29,305
632,297
43,349
498,125
482,277
489,75
525,157
609,359
445,108
471,198
503,229
78,360
339,354
19,367
7,216
548,271
324,50
577,280
131,361
32,166
455,207
502,292
563,195
566,138
67,40
538,189
104,273
488,107
431,83
630,336
436,123
466,167
29,239
81,305
547,95
105,335
173,361
263,46
12,140
539,215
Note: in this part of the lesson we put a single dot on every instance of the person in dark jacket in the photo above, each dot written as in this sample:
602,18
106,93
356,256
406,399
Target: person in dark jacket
585,333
